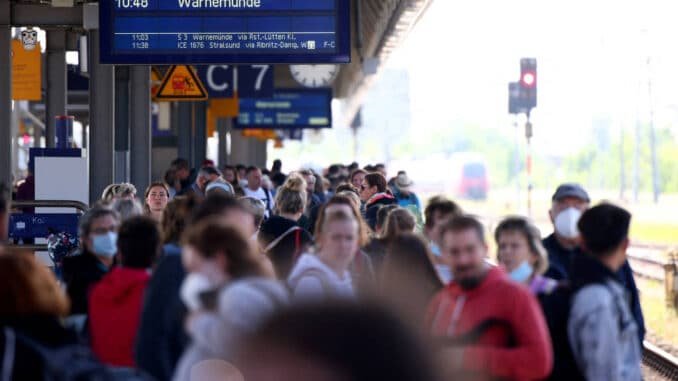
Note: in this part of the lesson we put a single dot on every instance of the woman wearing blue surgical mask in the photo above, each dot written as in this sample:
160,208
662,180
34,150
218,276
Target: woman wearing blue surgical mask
522,255
98,233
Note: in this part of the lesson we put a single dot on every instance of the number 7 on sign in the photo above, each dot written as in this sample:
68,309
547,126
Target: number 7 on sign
263,69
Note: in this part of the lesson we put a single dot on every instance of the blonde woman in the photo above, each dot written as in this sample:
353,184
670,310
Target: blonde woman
522,255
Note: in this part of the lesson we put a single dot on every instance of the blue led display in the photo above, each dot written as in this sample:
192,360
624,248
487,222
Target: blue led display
224,31
289,108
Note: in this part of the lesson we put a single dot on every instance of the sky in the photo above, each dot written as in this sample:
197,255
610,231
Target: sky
592,64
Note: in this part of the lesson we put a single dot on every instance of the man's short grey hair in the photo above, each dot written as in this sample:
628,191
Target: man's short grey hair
98,211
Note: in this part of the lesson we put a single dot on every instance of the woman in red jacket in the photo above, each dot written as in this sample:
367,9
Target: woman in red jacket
115,302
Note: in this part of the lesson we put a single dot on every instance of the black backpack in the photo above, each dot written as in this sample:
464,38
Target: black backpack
556,307
73,362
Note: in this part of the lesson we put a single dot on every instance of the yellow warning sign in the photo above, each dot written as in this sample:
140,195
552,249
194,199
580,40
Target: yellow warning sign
26,72
181,84
156,81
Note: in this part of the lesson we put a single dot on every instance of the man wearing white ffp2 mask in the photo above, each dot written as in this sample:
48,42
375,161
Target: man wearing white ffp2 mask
568,203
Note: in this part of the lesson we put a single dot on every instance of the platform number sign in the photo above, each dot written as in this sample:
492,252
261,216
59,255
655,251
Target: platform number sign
250,81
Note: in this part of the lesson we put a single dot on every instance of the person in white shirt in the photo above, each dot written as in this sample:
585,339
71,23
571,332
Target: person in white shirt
254,189
325,274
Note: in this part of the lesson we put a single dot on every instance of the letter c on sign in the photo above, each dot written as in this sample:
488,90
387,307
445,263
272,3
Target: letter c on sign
210,78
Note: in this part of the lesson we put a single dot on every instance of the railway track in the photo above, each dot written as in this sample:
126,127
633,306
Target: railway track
660,361
648,261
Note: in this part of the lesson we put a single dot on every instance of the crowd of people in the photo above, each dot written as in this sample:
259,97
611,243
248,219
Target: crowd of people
341,275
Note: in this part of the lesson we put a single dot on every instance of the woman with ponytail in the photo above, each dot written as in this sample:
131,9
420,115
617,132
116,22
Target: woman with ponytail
281,237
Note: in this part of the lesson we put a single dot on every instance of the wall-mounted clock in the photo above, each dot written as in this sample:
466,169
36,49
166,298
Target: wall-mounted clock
315,75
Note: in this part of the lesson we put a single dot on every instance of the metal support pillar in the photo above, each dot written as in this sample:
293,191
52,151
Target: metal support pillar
140,127
199,133
122,124
239,148
184,121
101,135
260,153
223,125
248,151
5,95
56,82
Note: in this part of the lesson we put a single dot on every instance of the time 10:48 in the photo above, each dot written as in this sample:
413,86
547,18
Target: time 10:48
131,3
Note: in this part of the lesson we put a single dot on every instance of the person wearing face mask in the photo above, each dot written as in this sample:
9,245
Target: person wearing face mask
98,232
115,302
522,255
161,339
228,292
488,326
438,211
568,203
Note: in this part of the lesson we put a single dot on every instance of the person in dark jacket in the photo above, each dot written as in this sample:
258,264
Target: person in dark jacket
98,233
374,193
568,203
182,176
115,302
26,190
31,306
281,237
312,199
161,339
398,221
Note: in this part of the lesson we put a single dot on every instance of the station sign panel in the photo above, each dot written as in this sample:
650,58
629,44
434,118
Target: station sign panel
288,108
146,32
26,71
252,81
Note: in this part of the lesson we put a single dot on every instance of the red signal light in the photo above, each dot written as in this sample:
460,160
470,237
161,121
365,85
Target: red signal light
529,79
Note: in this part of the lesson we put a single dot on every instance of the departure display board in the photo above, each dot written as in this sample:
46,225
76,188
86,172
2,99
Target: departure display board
288,108
224,31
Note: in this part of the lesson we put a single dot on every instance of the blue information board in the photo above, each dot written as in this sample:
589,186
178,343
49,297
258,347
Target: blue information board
224,31
42,225
289,108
